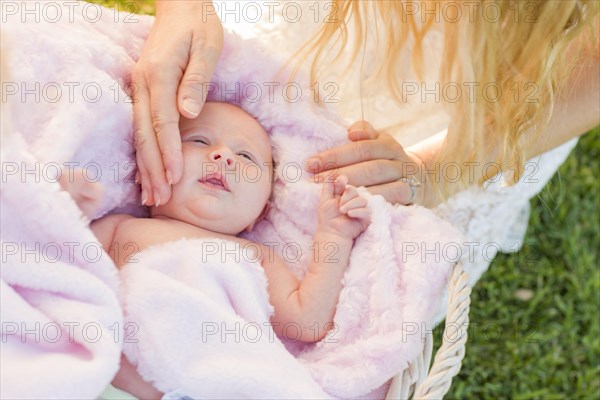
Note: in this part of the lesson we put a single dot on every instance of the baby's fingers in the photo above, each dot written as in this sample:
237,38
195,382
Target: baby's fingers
333,187
340,185
350,193
357,202
327,190
360,213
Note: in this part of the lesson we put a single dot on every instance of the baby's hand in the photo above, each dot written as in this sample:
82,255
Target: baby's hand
87,194
342,211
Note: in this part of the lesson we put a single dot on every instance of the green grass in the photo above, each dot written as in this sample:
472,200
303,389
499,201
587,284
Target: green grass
547,347
128,6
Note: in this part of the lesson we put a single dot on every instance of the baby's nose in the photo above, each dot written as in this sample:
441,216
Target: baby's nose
222,154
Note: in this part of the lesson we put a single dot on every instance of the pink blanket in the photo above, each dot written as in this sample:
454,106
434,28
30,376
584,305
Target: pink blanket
195,324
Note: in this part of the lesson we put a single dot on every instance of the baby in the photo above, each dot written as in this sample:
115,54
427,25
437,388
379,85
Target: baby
215,198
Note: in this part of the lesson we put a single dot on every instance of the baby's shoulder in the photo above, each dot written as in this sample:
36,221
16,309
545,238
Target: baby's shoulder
144,231
105,228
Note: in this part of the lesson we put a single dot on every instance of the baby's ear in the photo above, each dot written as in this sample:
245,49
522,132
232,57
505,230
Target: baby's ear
262,215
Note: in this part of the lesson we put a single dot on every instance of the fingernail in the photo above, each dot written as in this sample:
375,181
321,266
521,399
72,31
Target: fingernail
169,177
144,197
191,106
156,199
312,163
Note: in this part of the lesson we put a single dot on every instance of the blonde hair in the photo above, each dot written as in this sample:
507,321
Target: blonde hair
517,45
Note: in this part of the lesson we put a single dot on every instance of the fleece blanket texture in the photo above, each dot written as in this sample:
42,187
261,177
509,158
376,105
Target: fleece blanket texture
190,316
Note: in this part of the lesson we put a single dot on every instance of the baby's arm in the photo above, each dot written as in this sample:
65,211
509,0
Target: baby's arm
311,303
88,197
105,230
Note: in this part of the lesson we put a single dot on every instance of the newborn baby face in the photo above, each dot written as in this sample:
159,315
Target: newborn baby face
227,171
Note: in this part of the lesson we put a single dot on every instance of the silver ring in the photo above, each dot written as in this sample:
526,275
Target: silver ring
413,183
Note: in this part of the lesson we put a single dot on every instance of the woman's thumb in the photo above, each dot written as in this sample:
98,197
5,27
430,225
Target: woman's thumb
195,83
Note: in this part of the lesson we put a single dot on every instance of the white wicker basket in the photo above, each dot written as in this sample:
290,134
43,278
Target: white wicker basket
417,379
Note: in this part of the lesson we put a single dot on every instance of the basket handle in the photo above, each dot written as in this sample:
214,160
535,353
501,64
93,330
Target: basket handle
449,356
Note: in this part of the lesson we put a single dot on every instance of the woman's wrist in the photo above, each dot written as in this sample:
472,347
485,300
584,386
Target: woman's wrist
425,155
416,170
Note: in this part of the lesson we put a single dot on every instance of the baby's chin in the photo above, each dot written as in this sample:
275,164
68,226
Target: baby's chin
225,225
208,213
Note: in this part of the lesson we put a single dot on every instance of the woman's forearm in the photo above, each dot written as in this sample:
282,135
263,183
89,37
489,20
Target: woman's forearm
576,109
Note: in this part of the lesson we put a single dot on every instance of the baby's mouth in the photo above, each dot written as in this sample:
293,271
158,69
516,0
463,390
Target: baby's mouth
215,181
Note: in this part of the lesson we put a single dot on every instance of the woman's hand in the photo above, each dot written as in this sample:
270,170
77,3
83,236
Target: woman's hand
374,160
177,62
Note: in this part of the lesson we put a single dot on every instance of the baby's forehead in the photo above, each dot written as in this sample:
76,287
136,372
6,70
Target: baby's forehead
232,122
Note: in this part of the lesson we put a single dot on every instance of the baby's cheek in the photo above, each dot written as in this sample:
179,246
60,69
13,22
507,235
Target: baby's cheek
254,196
266,189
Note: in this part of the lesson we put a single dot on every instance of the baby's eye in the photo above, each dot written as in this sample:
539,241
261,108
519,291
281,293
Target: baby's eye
200,140
245,155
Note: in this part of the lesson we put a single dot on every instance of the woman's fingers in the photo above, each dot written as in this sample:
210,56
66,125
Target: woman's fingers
362,130
361,135
380,177
397,192
165,124
352,153
366,173
178,59
149,161
204,55
376,161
